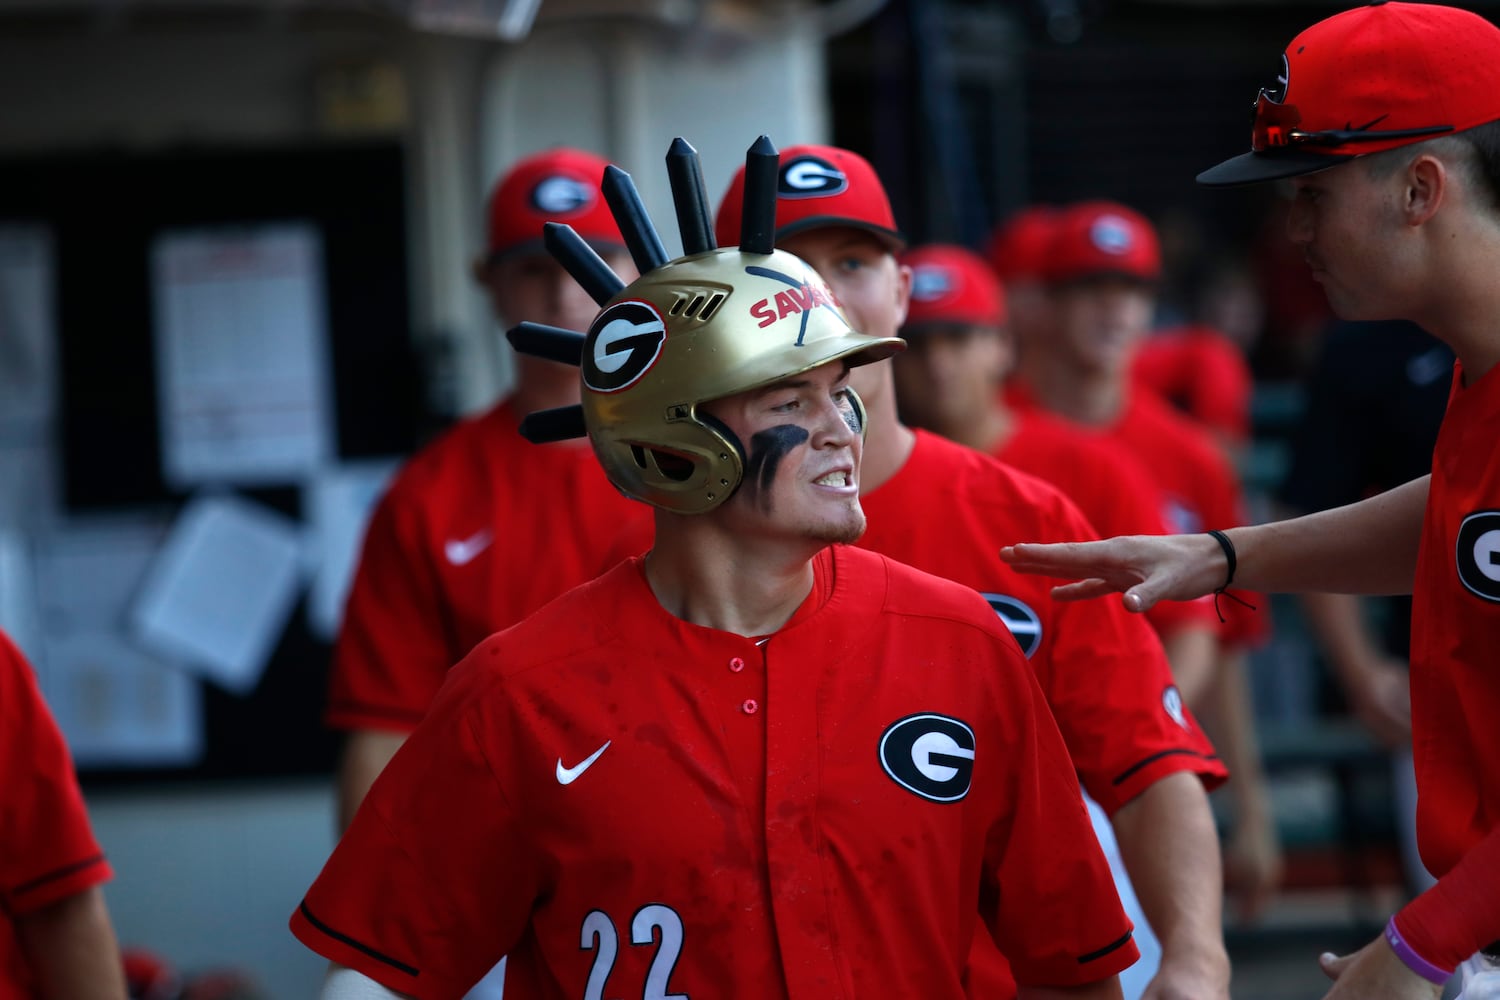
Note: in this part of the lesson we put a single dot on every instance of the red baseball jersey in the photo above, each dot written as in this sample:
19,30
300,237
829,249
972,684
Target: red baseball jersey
47,850
1455,641
1114,492
479,529
626,803
950,510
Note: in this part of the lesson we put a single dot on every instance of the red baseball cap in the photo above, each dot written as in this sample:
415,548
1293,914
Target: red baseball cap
1018,246
952,285
1370,79
1098,238
558,185
816,186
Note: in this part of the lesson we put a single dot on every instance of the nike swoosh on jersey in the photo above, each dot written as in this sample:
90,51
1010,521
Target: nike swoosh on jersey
461,551
568,775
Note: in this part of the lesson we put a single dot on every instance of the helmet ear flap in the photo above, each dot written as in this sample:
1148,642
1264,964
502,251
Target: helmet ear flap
861,415
700,469
729,437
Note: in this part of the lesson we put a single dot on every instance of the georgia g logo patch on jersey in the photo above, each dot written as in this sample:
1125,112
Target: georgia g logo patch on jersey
1478,554
929,755
1025,625
622,344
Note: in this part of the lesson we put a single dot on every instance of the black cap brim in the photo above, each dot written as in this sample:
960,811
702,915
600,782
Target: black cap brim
1252,168
894,240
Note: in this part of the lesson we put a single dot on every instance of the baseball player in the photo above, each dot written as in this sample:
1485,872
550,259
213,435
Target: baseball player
1102,267
480,529
947,509
751,764
1384,118
1015,252
56,939
958,352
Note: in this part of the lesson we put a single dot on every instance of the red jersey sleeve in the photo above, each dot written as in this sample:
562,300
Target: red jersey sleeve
1461,913
1051,904
1125,728
47,849
394,647
373,907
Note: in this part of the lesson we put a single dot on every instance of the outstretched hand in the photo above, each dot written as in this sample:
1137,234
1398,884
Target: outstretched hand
1374,973
1145,568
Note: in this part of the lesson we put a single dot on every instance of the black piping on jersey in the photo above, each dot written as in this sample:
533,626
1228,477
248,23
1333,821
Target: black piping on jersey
1132,769
1112,946
410,970
56,874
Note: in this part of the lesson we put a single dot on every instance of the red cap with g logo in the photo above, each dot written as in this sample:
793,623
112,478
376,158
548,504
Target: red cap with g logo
558,185
816,187
1018,247
1373,78
951,285
1100,239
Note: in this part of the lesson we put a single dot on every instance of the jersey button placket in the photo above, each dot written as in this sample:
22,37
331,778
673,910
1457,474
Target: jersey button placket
750,706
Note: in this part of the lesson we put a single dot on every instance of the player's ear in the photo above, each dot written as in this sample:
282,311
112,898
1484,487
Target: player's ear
903,293
479,269
1427,179
998,352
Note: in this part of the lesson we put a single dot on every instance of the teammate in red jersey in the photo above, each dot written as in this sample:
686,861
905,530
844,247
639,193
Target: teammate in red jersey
1397,217
56,939
958,352
1102,266
750,764
480,528
1016,251
947,509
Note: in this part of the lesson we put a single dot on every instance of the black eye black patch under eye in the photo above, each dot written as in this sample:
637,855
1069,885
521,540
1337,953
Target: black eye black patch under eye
767,449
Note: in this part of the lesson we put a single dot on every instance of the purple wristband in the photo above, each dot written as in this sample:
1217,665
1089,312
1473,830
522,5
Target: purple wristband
1411,959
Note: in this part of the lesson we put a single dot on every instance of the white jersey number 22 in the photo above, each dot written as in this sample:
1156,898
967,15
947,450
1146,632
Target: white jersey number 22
599,933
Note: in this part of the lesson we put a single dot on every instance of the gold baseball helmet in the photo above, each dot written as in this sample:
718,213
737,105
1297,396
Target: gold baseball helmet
711,324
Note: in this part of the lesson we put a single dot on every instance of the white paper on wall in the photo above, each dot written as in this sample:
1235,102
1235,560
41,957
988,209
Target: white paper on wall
242,351
219,595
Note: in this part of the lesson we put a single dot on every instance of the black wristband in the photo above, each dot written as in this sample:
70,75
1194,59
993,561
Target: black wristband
1228,547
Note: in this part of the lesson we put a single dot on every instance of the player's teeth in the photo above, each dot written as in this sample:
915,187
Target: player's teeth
834,479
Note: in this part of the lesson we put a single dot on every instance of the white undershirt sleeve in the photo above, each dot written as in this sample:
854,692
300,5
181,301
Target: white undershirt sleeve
345,984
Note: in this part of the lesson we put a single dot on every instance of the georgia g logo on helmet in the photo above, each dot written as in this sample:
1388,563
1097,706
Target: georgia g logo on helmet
622,344
810,177
1478,554
929,755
